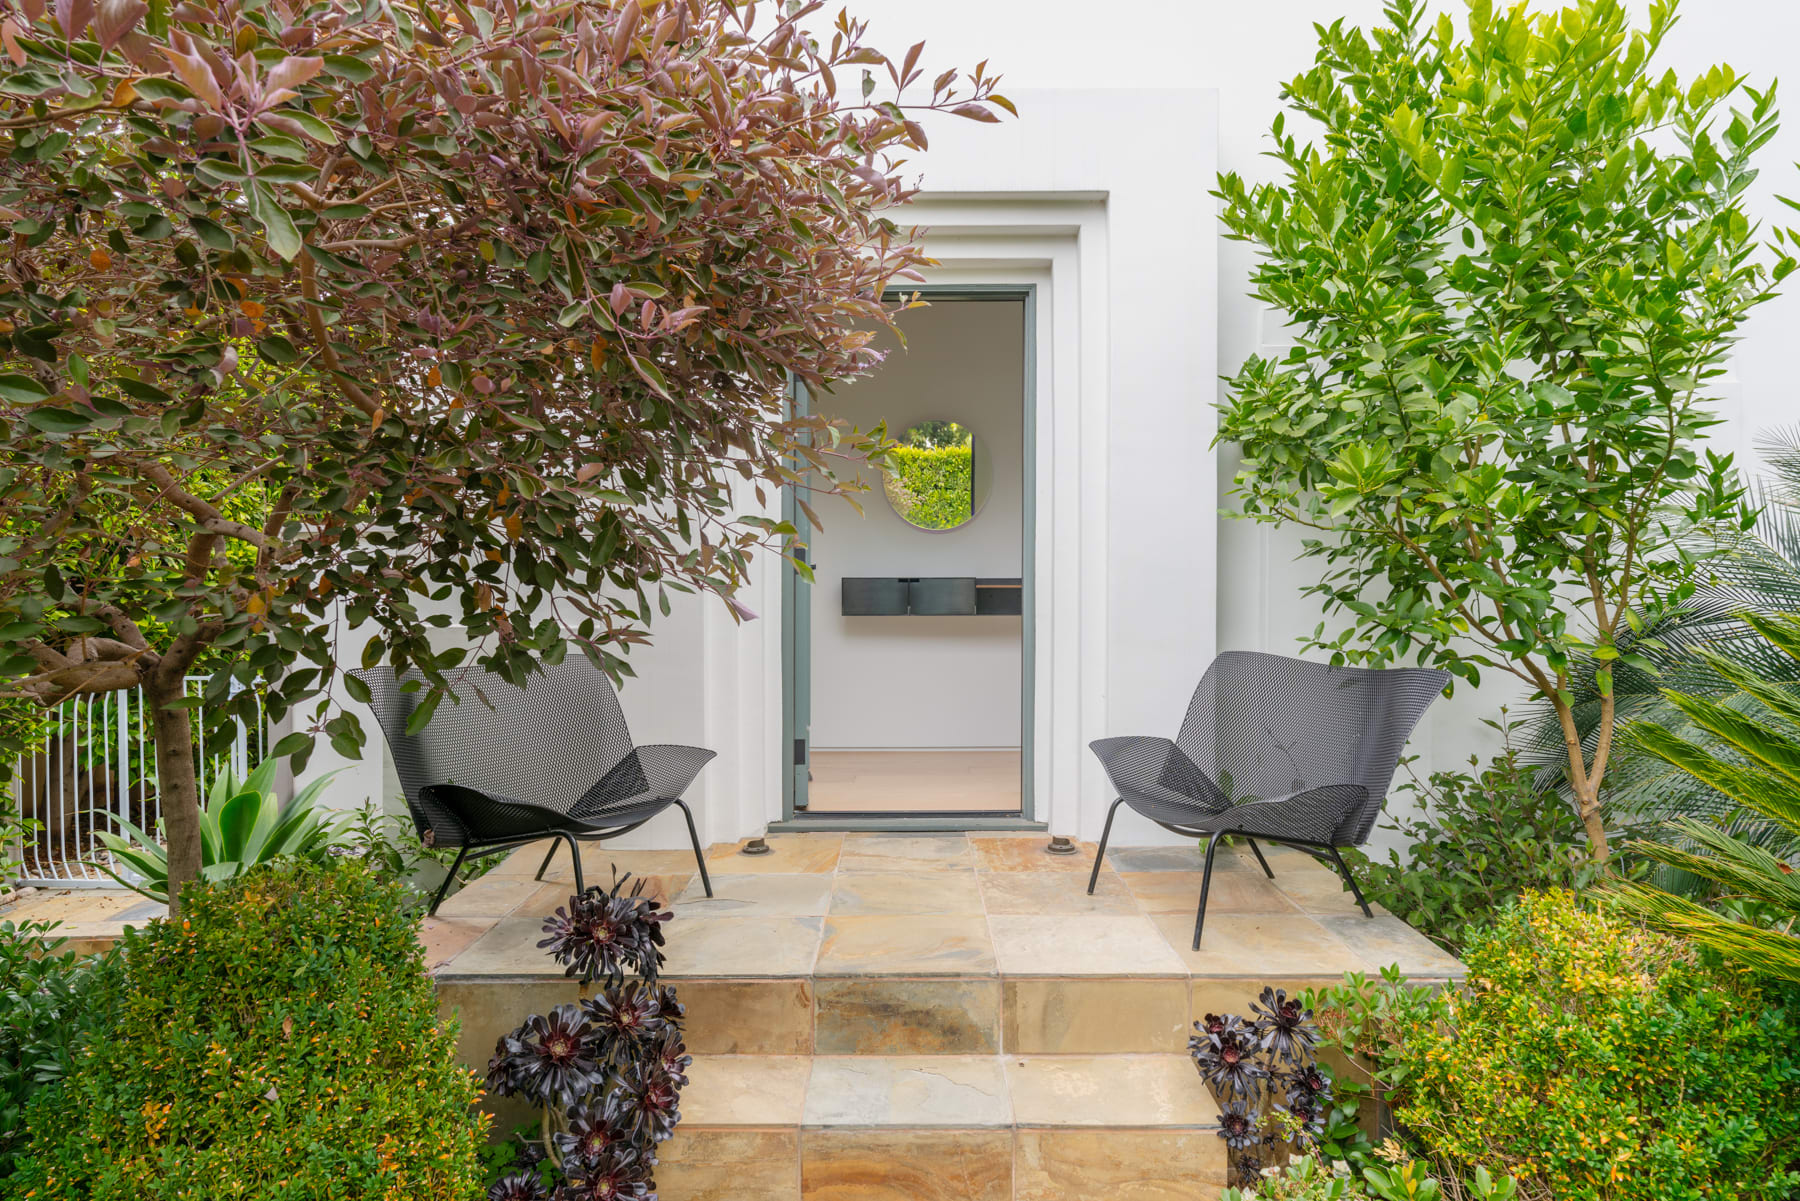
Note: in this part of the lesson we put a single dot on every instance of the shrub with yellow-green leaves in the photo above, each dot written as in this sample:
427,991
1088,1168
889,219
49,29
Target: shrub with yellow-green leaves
281,1042
1601,1061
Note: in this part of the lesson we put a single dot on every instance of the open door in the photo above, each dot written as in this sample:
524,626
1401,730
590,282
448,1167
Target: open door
796,611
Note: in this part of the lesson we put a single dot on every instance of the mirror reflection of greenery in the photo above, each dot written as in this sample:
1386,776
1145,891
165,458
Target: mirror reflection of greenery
930,479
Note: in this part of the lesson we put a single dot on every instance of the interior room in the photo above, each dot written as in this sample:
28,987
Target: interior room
916,646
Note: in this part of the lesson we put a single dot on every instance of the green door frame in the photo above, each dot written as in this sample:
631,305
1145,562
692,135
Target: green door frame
796,626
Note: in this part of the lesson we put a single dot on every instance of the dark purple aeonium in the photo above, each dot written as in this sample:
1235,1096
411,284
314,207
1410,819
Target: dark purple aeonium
672,1057
1308,1100
1238,1126
620,1174
625,1020
604,934
546,1059
1227,1060
518,1186
594,1130
648,1100
1283,1026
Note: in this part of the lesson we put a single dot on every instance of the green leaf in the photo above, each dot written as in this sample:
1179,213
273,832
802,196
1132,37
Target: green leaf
277,145
213,234
420,716
141,390
291,744
284,237
236,821
161,87
277,349
59,421
315,128
22,389
345,67
358,689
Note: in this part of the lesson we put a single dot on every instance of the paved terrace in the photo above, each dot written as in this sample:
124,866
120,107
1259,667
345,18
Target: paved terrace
943,1017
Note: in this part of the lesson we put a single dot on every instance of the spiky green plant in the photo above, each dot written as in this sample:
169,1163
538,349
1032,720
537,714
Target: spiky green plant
242,824
1758,571
1750,755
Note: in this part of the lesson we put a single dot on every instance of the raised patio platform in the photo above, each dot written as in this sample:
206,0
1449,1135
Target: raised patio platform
945,1017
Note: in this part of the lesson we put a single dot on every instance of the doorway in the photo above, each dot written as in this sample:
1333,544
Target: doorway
908,656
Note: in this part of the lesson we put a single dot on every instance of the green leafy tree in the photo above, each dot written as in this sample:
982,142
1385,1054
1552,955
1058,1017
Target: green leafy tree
1513,266
1747,752
490,309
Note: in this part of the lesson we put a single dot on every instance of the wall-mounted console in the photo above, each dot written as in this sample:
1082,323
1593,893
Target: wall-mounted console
932,596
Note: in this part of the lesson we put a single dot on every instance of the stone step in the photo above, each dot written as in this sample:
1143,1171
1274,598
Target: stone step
873,1015
944,1128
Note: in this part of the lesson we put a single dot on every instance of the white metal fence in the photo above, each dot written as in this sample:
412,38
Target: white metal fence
96,764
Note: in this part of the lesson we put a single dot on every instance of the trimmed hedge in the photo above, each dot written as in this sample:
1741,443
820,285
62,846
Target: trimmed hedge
280,1042
932,486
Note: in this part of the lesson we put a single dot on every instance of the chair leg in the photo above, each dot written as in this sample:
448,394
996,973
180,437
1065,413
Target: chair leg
575,858
545,865
699,855
1344,870
1100,855
438,899
1212,846
1257,851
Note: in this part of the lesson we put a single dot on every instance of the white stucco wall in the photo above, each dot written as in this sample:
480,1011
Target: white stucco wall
1099,194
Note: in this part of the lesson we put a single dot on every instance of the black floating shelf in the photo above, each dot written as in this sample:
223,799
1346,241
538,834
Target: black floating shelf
999,598
874,596
931,596
941,596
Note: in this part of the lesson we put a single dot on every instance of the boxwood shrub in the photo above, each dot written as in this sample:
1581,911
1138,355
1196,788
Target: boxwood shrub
1600,1061
281,1042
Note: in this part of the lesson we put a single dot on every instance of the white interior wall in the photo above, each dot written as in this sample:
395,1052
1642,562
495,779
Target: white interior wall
918,682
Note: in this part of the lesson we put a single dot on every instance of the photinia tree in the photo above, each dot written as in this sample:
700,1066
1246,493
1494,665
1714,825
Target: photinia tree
407,316
1514,268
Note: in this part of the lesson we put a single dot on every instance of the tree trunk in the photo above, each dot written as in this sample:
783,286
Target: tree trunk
177,785
1588,806
1583,778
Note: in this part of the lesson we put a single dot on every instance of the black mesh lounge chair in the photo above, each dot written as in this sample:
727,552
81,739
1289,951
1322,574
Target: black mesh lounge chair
551,760
1288,751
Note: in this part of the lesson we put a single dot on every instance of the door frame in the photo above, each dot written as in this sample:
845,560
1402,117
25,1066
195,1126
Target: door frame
796,625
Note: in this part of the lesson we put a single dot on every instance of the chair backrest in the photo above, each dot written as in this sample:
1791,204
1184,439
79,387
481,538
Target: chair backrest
547,743
1268,726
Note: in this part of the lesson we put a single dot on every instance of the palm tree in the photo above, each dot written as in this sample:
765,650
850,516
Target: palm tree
1758,574
1748,755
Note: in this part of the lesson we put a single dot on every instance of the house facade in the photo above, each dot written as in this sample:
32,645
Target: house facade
1089,217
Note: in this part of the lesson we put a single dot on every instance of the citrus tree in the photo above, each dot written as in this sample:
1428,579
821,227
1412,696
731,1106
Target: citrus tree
402,316
1514,266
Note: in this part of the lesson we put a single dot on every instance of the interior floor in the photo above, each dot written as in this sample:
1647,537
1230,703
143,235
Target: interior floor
914,781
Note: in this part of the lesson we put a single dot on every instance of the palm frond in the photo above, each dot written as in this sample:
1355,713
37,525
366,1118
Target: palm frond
1745,751
1773,952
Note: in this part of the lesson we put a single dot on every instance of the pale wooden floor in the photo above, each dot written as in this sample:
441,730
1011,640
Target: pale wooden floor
914,781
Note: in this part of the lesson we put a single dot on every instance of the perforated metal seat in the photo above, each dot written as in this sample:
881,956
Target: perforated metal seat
1286,750
504,765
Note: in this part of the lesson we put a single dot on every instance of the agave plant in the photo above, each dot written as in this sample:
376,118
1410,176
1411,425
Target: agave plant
1751,756
242,824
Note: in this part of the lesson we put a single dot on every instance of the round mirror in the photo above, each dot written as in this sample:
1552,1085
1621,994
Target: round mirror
938,475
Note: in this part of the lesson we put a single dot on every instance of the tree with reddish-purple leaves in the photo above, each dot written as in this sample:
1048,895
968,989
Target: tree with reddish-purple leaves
402,315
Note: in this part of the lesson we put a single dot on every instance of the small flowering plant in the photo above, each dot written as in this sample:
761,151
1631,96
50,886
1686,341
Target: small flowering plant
607,1071
1264,1072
